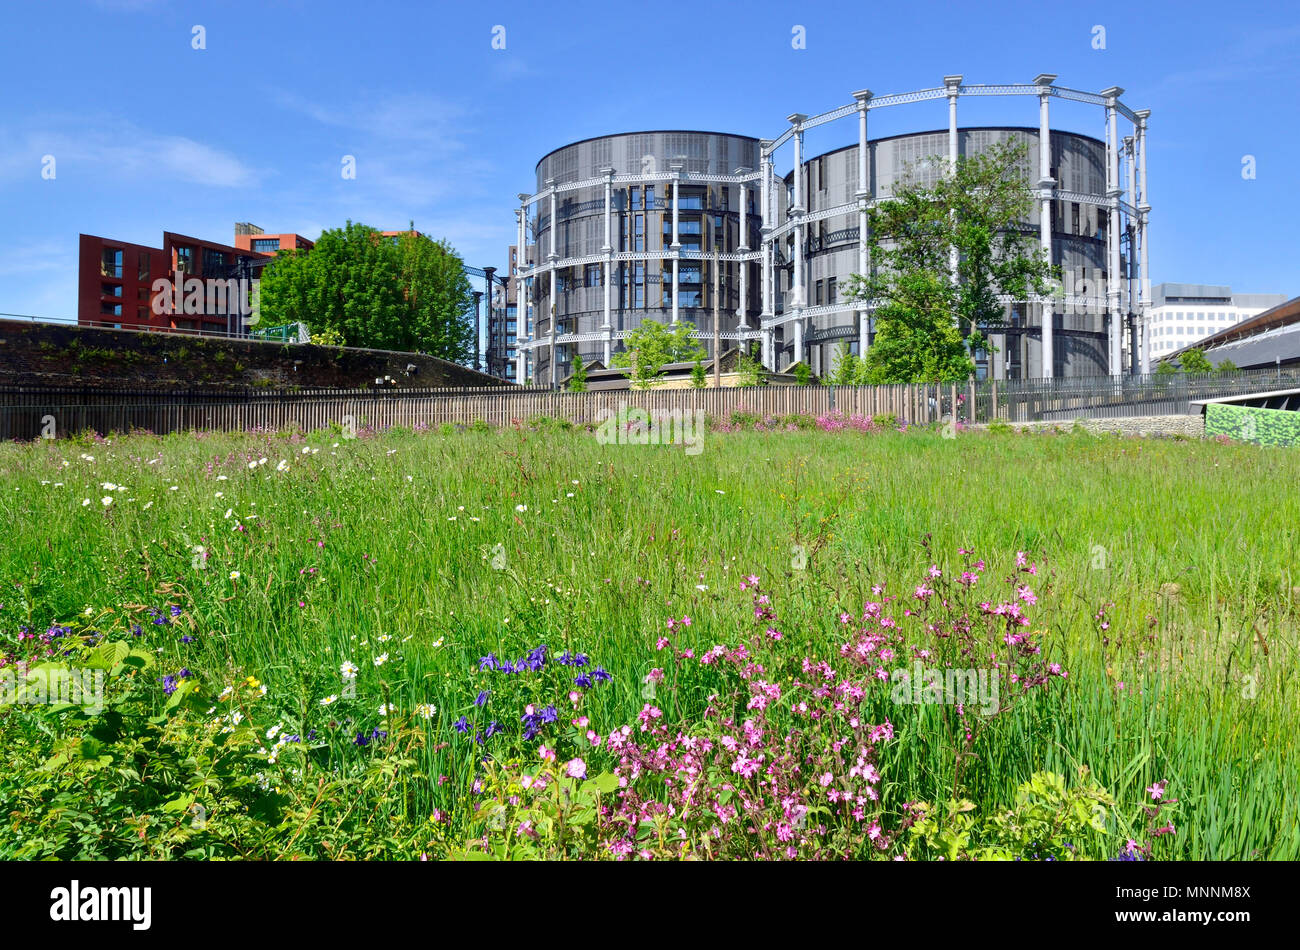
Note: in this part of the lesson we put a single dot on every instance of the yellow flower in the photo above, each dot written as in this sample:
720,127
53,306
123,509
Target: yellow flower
253,682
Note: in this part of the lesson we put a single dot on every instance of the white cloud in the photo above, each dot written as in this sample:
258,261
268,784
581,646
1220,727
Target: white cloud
122,150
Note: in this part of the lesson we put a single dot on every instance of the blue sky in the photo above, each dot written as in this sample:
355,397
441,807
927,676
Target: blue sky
149,134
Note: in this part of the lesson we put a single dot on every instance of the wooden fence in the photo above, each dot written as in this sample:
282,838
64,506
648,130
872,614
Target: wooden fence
31,412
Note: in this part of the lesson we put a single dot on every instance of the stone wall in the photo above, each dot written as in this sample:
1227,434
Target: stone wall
46,354
1190,426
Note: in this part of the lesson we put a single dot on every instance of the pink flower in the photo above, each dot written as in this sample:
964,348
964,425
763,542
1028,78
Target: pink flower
548,755
576,768
1157,791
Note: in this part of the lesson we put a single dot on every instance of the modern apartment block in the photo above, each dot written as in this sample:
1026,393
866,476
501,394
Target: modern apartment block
644,225
249,237
503,331
1181,314
116,281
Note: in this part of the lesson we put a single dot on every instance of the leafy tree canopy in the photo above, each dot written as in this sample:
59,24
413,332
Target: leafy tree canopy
655,345
927,324
408,294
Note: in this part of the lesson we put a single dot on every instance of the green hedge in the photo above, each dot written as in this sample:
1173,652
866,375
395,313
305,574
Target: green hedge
1248,424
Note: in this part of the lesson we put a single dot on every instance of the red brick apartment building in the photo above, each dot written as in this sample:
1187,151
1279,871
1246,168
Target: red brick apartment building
116,278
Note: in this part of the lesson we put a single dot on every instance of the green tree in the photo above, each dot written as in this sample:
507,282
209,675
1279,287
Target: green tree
578,378
749,370
439,297
652,345
1195,361
846,367
407,295
927,324
699,379
1166,369
1227,366
802,373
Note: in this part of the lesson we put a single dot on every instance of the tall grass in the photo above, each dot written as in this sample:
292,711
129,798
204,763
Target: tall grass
416,537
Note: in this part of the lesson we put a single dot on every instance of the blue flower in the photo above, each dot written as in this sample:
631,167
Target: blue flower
184,673
461,725
600,676
487,662
549,714
169,684
175,611
493,728
187,639
582,681
482,698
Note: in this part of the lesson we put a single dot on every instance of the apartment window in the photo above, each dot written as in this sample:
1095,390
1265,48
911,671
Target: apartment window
141,314
185,259
690,200
142,270
593,275
214,263
143,293
650,197
638,233
111,290
113,309
817,296
830,291
110,262
688,273
634,197
267,245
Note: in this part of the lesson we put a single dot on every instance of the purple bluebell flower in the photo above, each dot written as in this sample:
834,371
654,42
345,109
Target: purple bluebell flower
482,697
169,684
461,725
582,681
600,676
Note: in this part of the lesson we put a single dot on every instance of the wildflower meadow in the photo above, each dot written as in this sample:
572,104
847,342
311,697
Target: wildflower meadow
804,639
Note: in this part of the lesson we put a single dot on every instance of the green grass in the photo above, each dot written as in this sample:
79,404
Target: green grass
1195,545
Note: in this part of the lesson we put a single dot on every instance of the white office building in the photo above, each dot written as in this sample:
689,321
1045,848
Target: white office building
1180,314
